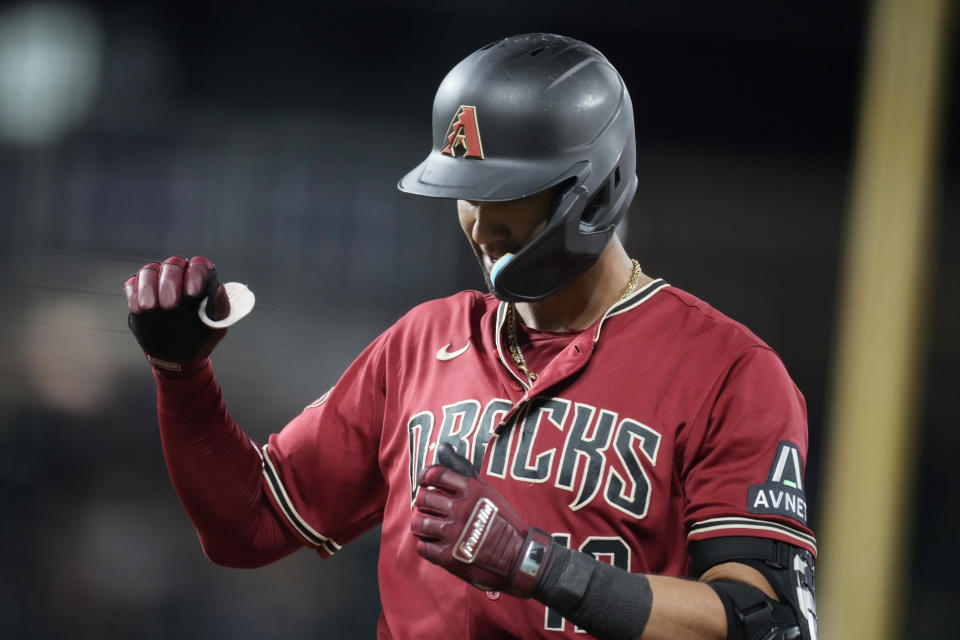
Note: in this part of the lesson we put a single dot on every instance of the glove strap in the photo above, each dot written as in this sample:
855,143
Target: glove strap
164,365
169,369
535,556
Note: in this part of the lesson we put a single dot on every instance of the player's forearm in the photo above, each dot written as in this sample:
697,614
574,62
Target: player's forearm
684,609
216,473
611,603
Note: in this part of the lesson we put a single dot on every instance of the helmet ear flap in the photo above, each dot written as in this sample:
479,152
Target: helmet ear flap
598,208
597,204
560,191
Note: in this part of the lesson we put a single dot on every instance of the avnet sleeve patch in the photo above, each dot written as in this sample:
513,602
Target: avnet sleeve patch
782,493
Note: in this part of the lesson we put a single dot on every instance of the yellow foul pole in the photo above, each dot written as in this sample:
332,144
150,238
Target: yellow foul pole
873,418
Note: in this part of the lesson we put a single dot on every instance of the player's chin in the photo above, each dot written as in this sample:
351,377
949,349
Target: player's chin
483,269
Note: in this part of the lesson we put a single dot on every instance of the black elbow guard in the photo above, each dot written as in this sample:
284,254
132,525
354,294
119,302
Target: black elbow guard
751,615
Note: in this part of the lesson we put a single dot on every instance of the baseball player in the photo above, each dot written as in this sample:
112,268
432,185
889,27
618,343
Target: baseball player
582,449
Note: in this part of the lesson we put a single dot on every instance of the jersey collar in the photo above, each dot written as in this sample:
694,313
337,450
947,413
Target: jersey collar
629,303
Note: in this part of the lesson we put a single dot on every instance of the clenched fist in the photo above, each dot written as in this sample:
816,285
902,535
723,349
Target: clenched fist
164,302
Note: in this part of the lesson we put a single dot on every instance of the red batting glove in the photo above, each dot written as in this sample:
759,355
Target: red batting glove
468,528
164,302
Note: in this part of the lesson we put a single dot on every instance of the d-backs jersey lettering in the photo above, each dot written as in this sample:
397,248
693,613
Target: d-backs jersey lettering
664,422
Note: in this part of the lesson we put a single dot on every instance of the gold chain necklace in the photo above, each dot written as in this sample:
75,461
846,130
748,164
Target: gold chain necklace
511,320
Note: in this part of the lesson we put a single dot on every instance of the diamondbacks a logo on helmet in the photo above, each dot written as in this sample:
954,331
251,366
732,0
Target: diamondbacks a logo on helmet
463,133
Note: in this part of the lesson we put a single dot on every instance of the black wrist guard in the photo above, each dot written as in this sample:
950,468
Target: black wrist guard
605,601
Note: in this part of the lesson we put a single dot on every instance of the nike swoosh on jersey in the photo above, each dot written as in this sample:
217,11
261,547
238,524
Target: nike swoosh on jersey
443,354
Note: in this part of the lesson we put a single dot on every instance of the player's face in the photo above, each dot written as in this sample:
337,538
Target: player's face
496,228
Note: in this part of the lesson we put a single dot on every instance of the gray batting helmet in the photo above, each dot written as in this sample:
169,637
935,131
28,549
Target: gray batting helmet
524,114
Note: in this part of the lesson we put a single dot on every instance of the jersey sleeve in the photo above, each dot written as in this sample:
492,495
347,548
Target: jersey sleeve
743,462
321,472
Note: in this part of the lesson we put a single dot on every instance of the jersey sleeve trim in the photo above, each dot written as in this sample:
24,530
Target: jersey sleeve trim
282,499
743,526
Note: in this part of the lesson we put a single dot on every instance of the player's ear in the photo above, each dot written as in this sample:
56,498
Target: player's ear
448,457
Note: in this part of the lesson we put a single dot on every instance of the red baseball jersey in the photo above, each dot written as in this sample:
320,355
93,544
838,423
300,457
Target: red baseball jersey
662,423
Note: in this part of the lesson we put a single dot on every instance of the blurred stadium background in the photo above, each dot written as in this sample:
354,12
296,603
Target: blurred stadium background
270,138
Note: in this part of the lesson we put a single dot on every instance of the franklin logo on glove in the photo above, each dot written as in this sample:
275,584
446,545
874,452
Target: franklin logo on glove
474,535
